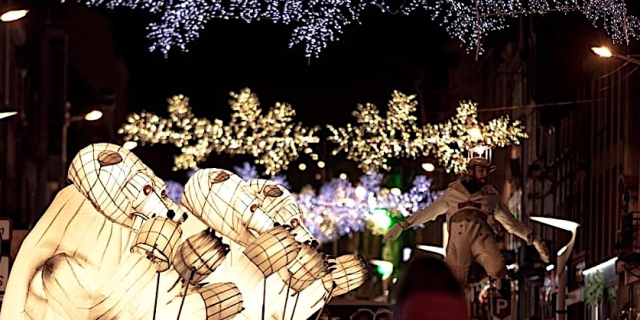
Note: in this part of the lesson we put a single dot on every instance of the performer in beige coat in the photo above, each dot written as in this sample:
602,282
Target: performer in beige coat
475,212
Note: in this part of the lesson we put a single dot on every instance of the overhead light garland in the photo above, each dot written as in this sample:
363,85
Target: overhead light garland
275,141
272,138
319,22
375,139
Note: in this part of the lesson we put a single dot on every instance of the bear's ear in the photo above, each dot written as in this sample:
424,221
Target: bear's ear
108,158
272,191
217,177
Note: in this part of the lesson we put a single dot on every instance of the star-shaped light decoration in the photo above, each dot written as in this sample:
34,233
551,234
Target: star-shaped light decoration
273,139
453,140
196,137
375,139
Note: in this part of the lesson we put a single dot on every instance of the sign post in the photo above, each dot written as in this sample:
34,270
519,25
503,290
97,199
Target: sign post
6,230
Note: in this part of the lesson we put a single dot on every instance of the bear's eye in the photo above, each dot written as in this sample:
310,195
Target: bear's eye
217,177
272,191
147,190
295,223
163,194
253,207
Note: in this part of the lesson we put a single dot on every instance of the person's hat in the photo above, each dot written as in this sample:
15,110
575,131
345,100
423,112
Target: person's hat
479,161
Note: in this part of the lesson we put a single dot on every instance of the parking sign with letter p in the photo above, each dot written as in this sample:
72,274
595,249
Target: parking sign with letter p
501,308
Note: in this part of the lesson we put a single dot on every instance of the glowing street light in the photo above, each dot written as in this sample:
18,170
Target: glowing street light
433,249
7,114
605,52
563,257
130,145
13,15
428,167
93,115
602,52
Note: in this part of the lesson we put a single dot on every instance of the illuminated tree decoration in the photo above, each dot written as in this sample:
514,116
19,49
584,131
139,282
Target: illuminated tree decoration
453,139
196,137
318,22
340,209
272,138
375,139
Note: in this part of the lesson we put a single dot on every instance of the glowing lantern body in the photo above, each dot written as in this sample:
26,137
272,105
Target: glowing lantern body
158,239
199,256
351,271
308,266
223,301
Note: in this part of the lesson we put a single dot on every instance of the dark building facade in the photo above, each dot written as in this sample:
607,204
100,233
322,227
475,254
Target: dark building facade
57,54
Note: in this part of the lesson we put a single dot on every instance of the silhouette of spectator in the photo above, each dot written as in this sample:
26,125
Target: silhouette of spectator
383,314
362,314
429,291
325,315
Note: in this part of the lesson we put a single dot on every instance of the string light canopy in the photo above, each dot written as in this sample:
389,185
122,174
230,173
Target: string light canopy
272,138
317,23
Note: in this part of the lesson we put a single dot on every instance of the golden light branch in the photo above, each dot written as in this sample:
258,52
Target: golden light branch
451,140
275,140
375,139
272,138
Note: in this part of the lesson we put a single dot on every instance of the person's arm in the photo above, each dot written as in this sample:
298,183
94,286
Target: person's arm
438,207
515,226
511,224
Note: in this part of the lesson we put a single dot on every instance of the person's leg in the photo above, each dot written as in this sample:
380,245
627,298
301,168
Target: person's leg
485,251
459,255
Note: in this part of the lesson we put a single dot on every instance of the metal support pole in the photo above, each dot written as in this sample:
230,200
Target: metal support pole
63,152
561,312
627,58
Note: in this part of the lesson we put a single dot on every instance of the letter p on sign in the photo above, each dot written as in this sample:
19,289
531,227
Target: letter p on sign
501,308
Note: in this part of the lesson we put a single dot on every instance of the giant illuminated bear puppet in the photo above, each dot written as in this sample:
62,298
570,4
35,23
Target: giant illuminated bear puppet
112,245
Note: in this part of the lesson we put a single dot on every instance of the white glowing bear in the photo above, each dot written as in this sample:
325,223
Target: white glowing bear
77,262
224,202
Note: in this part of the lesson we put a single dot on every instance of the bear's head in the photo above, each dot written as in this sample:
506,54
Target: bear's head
223,201
119,185
281,206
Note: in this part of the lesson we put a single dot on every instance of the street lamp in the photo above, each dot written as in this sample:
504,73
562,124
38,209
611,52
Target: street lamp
130,145
13,15
7,114
604,52
68,119
563,257
428,167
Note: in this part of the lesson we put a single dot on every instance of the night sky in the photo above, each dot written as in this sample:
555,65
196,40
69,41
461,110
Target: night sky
373,59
